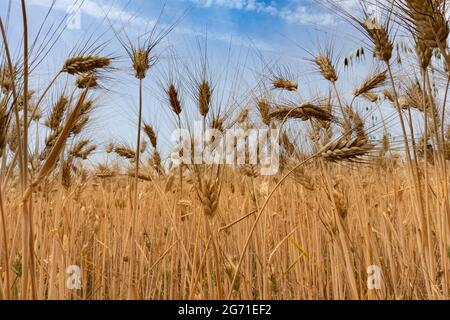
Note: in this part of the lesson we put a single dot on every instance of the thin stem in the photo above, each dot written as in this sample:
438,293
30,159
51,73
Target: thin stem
27,237
136,194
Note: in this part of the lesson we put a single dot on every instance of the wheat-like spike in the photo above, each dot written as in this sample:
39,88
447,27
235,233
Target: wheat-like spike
287,144
209,194
4,118
78,148
156,163
385,144
388,95
82,150
305,111
204,97
79,125
380,37
358,124
21,99
50,141
424,53
85,80
285,84
143,146
243,115
345,149
326,67
37,115
87,107
413,98
109,148
372,97
340,202
6,79
430,20
264,110
103,171
174,100
250,170
87,152
141,62
12,137
85,64
217,123
151,134
125,152
66,174
56,116
373,82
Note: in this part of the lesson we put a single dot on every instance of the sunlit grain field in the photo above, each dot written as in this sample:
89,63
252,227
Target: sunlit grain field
357,207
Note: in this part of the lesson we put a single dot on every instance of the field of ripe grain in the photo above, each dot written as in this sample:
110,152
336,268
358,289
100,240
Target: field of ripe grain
351,212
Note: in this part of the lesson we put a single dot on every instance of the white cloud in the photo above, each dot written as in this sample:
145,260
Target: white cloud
98,9
292,12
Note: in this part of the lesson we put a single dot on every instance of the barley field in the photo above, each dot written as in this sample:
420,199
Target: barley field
357,207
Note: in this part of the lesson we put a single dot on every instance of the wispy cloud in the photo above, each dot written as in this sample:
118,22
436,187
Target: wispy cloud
121,16
292,12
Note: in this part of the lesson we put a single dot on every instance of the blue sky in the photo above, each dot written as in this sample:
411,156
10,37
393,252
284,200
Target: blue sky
256,31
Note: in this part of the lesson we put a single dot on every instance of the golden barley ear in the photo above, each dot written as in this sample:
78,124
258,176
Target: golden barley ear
85,80
6,79
217,123
250,170
85,64
284,84
151,134
264,110
174,99
345,149
429,21
4,119
141,62
373,82
243,115
103,171
383,46
304,111
326,67
204,97
66,174
126,152
55,119
208,190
